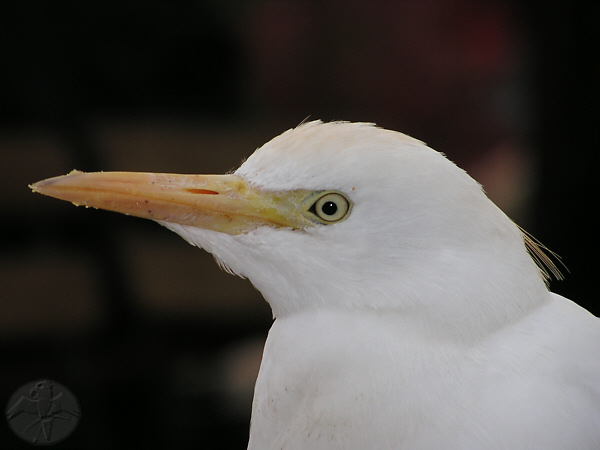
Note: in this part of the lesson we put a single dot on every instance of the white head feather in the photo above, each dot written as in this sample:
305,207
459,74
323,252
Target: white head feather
420,233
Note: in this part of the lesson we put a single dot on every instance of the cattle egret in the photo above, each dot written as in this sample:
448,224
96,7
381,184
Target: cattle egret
409,313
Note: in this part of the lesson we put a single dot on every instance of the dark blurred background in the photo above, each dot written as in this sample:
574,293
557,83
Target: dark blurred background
159,346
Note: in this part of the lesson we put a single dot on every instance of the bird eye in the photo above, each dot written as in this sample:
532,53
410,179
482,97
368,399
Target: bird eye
331,207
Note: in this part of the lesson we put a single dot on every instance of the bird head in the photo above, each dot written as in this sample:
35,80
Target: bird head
332,215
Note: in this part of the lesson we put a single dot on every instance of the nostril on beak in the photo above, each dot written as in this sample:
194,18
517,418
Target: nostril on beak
202,191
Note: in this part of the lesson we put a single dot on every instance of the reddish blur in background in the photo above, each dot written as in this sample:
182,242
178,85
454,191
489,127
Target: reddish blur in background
159,346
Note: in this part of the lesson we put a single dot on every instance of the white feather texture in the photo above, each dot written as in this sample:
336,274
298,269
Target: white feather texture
419,322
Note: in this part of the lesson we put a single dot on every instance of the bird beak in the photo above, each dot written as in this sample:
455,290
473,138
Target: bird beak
225,203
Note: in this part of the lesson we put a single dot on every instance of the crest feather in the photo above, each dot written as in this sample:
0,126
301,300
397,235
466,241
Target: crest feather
544,258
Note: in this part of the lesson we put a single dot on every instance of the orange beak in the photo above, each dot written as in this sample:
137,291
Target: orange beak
225,203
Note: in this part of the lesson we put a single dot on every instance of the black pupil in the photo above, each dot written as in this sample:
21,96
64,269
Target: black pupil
329,208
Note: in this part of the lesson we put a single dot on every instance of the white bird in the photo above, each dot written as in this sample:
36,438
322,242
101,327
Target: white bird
408,311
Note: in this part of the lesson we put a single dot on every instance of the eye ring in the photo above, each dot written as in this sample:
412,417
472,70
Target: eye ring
331,207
